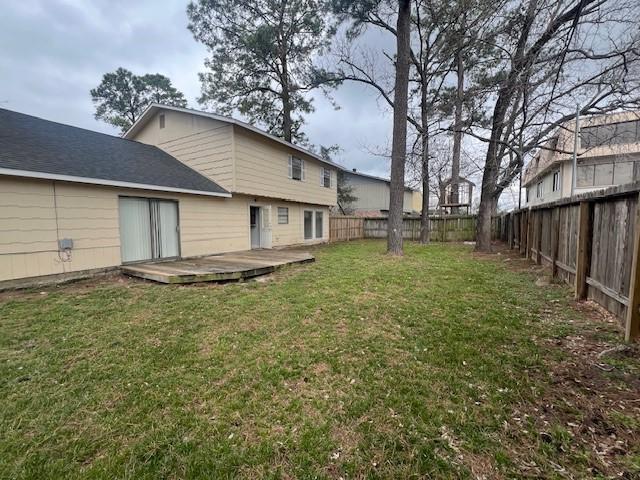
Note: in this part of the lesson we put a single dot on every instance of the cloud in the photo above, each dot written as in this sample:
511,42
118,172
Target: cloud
55,51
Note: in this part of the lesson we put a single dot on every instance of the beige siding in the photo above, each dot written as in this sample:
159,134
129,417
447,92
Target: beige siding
292,233
262,169
89,216
237,159
203,144
373,194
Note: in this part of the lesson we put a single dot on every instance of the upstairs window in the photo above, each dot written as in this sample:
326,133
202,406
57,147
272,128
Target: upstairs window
161,120
296,168
556,181
325,177
610,134
539,190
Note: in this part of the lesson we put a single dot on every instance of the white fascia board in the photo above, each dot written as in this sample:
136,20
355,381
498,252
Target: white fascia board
110,183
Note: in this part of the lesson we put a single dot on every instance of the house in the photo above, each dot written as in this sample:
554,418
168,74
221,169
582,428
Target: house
372,194
181,183
608,154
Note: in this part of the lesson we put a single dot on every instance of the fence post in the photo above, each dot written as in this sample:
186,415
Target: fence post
555,240
540,215
583,256
523,232
529,250
510,232
632,324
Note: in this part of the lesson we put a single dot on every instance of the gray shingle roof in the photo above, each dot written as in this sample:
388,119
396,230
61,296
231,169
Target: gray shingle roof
36,145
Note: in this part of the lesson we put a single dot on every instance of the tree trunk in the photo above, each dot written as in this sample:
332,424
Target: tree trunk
399,142
424,113
457,134
424,213
488,197
287,124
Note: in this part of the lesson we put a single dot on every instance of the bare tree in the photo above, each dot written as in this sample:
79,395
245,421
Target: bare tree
555,53
399,142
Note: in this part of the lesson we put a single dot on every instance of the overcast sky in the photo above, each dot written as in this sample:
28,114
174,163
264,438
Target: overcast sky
55,51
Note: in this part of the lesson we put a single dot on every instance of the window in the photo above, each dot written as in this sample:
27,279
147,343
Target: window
526,195
626,132
611,134
556,181
623,173
539,190
161,120
325,177
283,215
584,176
603,174
296,168
308,225
319,228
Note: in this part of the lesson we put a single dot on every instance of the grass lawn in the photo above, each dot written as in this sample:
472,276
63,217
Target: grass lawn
438,364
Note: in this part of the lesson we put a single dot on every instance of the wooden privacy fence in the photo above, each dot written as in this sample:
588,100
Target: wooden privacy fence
591,241
452,228
345,228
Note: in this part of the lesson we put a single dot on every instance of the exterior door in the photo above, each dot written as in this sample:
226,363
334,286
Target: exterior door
167,234
254,225
135,229
148,229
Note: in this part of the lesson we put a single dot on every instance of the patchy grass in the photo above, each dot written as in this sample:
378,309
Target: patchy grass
438,364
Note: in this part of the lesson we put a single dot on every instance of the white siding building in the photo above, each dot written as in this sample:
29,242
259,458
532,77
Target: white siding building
608,154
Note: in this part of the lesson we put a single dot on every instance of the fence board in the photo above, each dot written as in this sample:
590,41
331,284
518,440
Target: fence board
442,229
606,232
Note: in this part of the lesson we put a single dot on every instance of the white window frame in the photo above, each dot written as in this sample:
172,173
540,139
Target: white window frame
556,181
314,216
285,214
302,174
324,174
540,189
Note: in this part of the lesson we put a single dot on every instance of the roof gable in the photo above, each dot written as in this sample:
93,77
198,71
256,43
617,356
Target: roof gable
152,109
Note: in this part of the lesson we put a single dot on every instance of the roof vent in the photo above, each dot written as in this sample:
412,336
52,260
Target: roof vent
354,170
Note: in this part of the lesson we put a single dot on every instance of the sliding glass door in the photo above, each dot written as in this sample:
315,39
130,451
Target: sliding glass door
148,229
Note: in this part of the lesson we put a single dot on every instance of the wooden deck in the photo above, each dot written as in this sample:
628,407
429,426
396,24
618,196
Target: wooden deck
218,268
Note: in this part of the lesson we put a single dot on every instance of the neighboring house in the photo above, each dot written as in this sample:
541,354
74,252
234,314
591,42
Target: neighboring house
74,200
373,192
608,154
